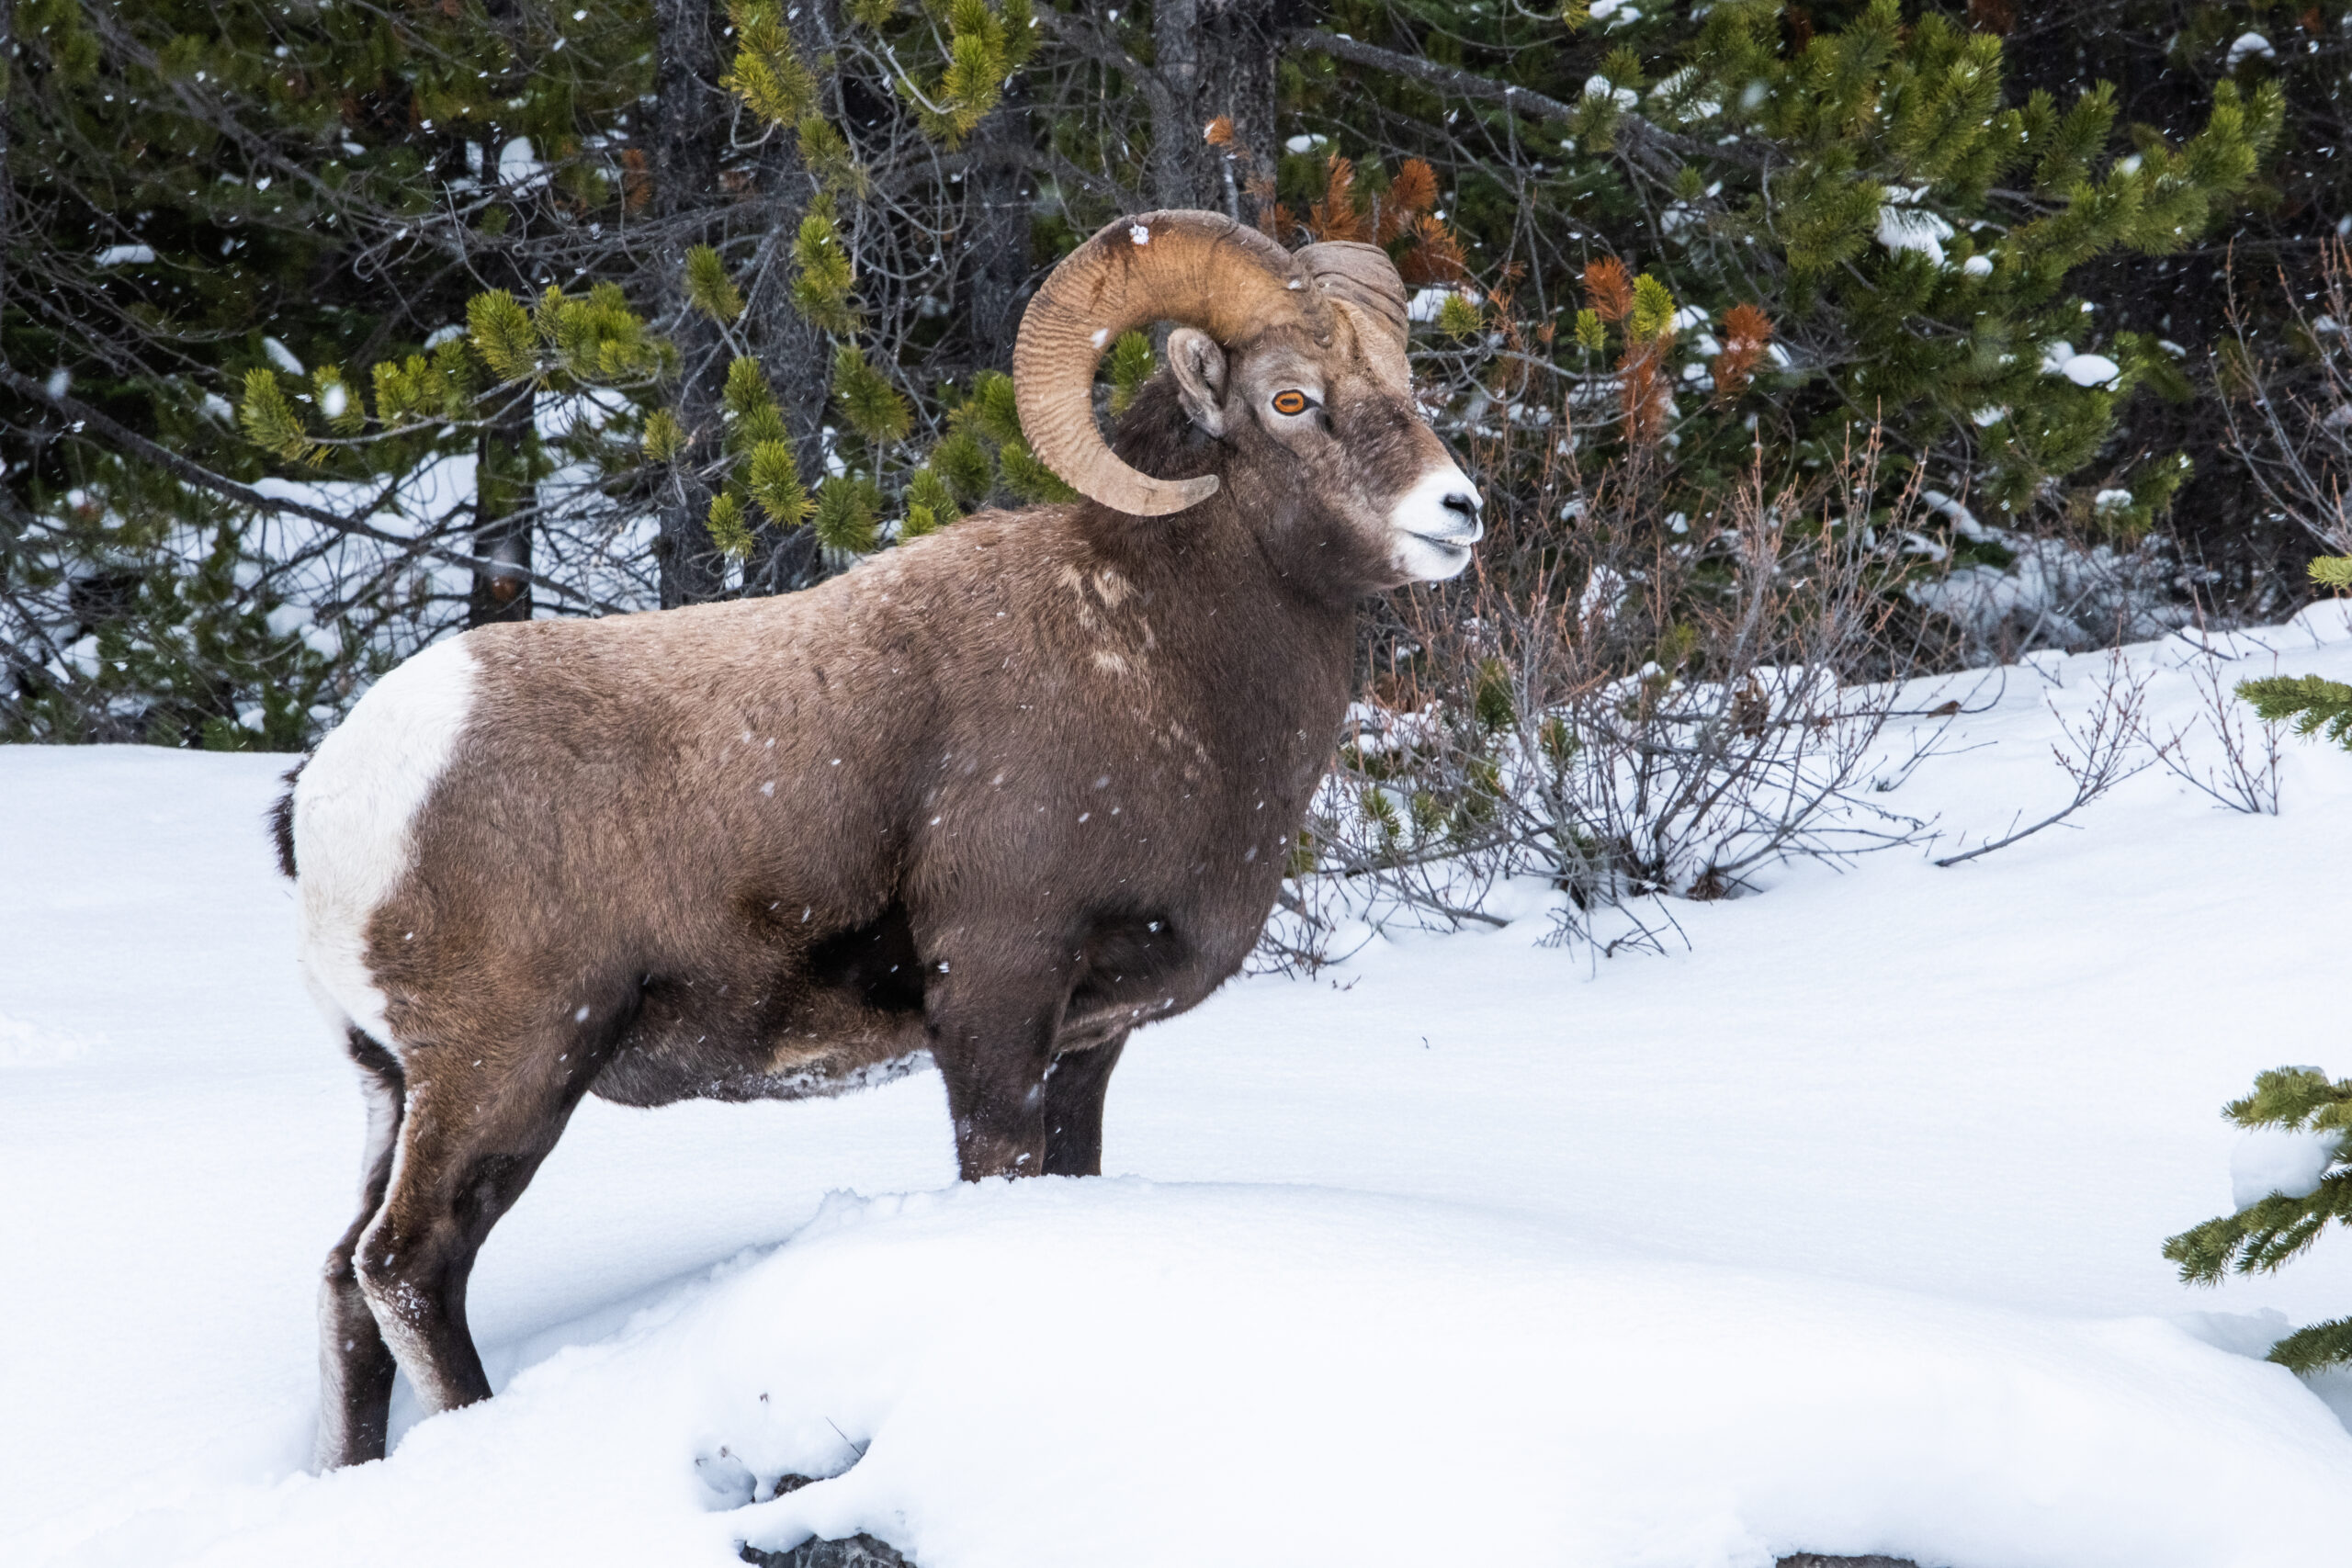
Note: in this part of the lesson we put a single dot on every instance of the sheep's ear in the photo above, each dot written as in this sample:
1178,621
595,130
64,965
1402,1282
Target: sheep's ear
1199,367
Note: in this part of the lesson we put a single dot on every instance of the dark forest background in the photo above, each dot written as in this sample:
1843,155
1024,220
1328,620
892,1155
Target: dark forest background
330,326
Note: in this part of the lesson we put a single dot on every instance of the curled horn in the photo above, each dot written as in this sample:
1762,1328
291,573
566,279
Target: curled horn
1199,269
1361,274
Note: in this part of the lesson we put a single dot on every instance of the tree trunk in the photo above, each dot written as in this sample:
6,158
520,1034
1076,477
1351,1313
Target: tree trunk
795,357
7,177
1240,51
997,202
502,486
503,468
690,122
1178,169
1214,60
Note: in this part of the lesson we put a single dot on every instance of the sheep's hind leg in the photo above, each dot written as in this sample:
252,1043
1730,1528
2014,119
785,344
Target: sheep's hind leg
354,1365
1074,1092
472,1138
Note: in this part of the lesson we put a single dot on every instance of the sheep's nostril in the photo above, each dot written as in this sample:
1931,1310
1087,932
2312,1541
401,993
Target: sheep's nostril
1462,504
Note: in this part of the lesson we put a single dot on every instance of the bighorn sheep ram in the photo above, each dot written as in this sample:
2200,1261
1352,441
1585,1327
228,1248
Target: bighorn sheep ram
995,797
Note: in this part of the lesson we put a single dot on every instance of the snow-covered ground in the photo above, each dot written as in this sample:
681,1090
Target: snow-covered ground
1836,1232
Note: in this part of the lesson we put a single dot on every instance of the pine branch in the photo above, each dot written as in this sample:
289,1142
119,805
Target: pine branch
2316,704
131,444
1658,150
2315,1348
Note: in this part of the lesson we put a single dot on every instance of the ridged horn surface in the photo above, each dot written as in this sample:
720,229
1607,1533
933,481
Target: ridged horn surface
1362,275
1197,269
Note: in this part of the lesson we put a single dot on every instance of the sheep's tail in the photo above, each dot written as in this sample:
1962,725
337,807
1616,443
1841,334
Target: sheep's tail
282,822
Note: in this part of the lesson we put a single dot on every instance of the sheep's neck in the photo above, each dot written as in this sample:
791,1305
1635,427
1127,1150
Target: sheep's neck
1266,663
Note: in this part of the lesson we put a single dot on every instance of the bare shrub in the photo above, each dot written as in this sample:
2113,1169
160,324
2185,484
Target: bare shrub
1625,701
2101,750
2288,404
2246,777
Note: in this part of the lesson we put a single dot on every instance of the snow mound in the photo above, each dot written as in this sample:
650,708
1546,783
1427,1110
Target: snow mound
24,1044
1114,1372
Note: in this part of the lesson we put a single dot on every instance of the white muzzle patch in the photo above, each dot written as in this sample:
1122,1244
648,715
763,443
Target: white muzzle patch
1436,522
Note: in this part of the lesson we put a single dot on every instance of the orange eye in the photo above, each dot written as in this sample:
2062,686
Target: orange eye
1290,402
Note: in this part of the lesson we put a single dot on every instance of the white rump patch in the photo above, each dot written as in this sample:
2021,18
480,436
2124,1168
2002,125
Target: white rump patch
1433,540
354,808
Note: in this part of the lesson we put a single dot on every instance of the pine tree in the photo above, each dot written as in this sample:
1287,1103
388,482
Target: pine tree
1912,247
197,193
2267,1235
853,195
2317,705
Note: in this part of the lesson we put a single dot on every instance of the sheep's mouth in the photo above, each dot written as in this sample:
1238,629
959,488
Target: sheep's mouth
1460,543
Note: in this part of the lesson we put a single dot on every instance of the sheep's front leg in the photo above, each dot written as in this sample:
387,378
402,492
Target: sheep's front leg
1074,1092
994,1047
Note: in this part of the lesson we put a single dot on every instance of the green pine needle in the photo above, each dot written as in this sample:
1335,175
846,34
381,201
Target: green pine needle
2299,1098
503,334
845,514
2265,1235
821,283
763,423
338,401
1020,34
747,388
971,84
930,506
872,406
456,372
993,409
418,390
271,421
1653,313
753,416
825,152
768,76
727,529
963,462
2318,706
708,288
2313,1348
774,483
1496,706
664,437
1029,478
1132,363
